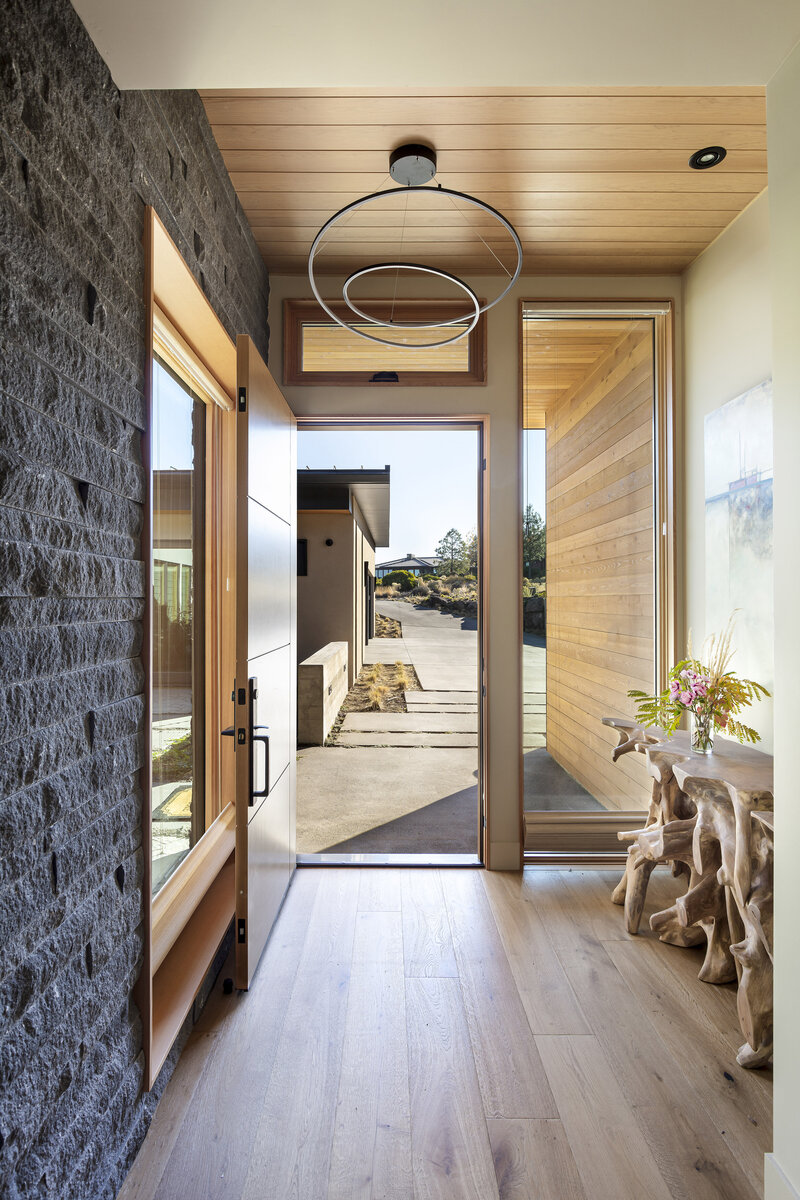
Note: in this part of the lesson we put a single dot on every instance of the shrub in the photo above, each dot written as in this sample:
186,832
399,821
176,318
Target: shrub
420,589
402,677
174,763
376,695
453,581
404,580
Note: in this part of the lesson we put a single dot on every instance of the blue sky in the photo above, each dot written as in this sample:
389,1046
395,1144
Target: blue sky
172,423
533,478
433,479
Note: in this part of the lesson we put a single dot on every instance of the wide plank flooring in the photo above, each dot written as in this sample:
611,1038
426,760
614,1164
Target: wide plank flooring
462,1035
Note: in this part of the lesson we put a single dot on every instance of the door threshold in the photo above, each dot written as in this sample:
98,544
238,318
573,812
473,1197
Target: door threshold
555,859
388,860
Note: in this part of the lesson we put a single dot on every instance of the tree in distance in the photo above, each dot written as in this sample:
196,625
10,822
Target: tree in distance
533,543
452,553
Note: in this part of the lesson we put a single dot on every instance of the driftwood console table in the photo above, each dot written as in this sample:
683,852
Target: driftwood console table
711,819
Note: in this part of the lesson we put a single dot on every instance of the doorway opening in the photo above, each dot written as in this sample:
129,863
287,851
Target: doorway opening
390,630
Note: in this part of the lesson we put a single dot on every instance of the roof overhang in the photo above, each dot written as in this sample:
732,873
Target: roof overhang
370,490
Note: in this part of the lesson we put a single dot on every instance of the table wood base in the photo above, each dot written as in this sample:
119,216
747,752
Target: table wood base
710,820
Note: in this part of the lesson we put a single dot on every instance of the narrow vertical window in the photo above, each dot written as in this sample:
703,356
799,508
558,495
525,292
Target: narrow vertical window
179,622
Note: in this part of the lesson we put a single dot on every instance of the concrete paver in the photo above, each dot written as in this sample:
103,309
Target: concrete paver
416,722
387,800
422,740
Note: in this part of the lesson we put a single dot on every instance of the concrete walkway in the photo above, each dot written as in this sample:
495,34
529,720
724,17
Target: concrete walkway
407,782
402,783
443,651
387,800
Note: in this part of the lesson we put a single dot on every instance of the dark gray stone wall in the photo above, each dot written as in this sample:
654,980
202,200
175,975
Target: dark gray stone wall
78,162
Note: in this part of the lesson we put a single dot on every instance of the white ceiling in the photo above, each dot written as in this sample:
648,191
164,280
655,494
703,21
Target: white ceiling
413,43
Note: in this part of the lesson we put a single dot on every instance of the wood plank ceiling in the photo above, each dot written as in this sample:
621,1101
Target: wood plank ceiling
559,355
596,181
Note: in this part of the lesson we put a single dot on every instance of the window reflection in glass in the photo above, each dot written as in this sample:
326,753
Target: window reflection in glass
178,455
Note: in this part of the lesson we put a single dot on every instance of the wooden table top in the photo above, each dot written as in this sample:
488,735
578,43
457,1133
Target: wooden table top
743,767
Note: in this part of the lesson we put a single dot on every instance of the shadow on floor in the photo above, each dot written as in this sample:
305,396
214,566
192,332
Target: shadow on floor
448,826
549,788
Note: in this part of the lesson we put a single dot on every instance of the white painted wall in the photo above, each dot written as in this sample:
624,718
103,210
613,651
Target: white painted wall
417,43
783,111
728,349
499,399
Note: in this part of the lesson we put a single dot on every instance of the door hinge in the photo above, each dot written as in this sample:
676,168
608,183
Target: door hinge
241,930
483,464
242,399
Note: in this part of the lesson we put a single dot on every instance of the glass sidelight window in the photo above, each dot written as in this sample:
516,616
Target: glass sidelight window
179,644
595,551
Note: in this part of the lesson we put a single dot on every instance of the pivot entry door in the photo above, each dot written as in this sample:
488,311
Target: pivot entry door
264,694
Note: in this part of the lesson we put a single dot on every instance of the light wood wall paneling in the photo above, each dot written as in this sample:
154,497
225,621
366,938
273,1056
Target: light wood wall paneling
600,493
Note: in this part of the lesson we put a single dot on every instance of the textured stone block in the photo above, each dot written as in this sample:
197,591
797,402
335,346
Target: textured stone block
78,162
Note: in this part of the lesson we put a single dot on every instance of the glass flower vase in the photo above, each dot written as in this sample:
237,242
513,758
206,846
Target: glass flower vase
702,731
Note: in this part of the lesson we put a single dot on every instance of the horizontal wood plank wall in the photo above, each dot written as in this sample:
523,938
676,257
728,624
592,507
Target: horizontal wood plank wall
600,582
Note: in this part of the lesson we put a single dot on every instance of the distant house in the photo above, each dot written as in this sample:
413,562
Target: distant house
341,517
413,563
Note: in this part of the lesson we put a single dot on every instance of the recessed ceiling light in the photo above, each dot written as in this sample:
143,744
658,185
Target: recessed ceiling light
709,156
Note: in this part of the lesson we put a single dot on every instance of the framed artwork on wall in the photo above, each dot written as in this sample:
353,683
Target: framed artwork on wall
738,529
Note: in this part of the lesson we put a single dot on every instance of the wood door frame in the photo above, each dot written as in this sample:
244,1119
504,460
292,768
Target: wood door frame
662,313
480,422
186,921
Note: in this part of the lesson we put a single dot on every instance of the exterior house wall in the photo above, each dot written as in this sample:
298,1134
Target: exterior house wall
330,598
325,594
365,557
79,161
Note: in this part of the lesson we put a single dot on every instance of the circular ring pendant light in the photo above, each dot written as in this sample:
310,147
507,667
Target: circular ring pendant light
403,325
410,165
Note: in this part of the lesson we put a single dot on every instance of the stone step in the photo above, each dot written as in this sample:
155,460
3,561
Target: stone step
435,722
422,740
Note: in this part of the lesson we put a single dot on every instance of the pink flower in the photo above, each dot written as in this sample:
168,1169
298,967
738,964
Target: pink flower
685,699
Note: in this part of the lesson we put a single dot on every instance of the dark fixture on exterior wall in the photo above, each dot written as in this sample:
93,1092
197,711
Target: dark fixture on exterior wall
709,156
385,377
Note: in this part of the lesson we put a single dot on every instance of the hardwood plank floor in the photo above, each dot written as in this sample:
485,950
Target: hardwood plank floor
459,1035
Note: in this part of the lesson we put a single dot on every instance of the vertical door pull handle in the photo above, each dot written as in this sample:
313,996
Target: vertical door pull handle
260,734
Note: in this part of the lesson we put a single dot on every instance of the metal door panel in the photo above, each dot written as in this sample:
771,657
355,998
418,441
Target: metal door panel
273,673
273,480
270,547
270,861
265,706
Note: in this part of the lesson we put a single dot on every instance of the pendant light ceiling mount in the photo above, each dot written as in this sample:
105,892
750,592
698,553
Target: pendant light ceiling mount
413,166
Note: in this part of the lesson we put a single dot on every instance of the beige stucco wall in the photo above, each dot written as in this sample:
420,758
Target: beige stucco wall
364,555
727,349
499,400
783,107
325,595
330,599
